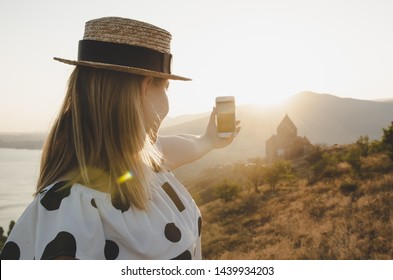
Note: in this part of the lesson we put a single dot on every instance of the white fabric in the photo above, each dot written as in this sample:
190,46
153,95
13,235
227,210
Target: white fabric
87,218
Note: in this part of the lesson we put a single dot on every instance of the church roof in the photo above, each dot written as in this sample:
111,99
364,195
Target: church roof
286,122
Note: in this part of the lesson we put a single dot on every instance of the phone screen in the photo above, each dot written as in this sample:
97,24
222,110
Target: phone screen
226,116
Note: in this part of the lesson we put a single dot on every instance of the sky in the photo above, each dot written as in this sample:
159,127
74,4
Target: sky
260,51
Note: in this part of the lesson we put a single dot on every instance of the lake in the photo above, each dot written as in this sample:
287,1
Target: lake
19,171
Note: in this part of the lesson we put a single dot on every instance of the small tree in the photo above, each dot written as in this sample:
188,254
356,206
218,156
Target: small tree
353,158
227,191
387,140
254,172
281,170
363,144
375,147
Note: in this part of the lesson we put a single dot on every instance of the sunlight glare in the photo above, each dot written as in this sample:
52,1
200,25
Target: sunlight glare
125,177
270,100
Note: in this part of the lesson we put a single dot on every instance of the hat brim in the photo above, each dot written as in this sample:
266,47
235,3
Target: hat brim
133,70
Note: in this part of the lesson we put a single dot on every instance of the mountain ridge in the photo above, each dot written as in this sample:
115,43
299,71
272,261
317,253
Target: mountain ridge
322,118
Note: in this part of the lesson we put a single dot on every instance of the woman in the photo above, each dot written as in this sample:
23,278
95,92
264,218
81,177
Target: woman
105,189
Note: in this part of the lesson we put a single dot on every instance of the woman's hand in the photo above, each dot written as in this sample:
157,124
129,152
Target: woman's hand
211,135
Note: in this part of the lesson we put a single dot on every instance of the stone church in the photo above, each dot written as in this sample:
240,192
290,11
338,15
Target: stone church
286,144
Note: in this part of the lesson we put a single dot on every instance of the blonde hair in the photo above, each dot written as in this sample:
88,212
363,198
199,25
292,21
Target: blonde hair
99,137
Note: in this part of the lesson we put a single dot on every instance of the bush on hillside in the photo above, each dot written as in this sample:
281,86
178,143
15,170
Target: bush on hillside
227,191
315,155
279,171
353,158
253,171
387,140
363,145
375,147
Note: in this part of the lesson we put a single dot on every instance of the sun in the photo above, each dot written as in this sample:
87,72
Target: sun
271,100
266,100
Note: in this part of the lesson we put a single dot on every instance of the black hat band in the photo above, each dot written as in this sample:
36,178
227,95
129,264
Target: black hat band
124,55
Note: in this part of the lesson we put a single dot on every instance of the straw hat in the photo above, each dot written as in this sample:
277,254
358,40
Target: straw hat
126,45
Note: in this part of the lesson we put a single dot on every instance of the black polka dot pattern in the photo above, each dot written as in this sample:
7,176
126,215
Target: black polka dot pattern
68,232
120,205
10,251
93,203
172,232
64,244
186,255
53,198
111,250
174,197
199,226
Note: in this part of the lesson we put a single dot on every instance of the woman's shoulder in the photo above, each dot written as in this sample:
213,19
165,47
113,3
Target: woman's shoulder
75,217
64,215
56,194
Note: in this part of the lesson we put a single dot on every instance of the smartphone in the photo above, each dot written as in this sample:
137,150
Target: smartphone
226,116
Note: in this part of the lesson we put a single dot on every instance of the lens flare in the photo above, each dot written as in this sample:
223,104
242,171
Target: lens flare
125,177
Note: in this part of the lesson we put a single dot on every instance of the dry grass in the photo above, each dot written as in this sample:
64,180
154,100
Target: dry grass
338,218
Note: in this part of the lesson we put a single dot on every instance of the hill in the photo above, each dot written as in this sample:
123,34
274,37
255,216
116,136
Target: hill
322,118
30,141
387,100
331,120
342,215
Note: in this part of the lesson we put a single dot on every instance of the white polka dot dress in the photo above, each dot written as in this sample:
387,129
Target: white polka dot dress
84,223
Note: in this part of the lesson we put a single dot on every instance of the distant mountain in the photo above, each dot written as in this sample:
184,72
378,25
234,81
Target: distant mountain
325,118
30,141
387,100
168,121
322,118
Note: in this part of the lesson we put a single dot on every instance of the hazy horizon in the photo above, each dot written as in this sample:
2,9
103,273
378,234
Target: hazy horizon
179,119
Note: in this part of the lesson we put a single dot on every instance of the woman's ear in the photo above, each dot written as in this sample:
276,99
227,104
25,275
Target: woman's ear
147,81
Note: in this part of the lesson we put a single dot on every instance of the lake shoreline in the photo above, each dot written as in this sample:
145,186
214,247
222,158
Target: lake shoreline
21,147
19,169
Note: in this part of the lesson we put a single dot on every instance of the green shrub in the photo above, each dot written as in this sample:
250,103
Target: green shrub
387,140
353,158
227,191
281,170
363,145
